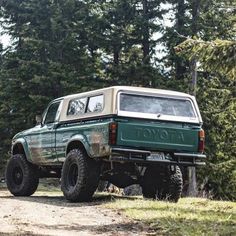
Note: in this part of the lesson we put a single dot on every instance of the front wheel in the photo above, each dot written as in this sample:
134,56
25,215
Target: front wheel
21,176
80,176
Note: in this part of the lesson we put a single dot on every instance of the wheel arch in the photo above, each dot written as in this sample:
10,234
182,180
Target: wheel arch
78,143
20,147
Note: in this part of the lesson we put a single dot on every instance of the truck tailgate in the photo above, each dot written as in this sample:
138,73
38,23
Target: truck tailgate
158,136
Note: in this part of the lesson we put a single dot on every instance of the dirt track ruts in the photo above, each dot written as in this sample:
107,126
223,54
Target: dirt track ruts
47,213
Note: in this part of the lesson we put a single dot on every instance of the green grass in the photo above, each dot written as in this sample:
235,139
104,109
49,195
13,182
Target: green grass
190,216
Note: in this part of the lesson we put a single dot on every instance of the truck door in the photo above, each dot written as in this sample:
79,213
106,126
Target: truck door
42,141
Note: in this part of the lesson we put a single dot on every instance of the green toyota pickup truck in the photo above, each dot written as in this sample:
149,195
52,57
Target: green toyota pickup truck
124,135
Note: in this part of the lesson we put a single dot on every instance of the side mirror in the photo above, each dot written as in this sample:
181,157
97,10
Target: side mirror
38,119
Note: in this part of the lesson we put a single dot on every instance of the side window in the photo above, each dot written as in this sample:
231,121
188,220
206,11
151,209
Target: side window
77,106
51,113
95,104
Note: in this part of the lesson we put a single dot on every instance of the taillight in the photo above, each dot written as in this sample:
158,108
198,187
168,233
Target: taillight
201,143
112,133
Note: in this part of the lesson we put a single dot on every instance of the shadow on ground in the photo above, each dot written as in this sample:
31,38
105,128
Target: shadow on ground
57,199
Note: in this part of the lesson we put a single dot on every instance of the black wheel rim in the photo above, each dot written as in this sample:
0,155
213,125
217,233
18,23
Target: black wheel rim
73,175
17,175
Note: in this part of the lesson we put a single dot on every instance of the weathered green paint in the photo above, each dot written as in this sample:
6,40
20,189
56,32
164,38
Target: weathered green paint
47,144
39,144
93,135
158,135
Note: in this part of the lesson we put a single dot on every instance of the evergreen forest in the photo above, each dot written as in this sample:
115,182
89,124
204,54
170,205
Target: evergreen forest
60,47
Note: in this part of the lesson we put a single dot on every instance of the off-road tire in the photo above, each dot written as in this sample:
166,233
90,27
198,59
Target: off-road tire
80,176
162,183
21,176
153,180
175,185
102,186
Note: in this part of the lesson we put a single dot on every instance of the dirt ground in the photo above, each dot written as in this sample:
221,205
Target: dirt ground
47,213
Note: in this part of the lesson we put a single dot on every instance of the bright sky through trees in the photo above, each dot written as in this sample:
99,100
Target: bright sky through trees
5,40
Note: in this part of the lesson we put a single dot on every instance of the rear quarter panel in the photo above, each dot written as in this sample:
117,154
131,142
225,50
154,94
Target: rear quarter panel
92,134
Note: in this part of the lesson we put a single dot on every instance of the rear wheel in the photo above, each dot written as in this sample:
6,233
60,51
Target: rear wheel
153,182
162,183
21,176
80,176
175,184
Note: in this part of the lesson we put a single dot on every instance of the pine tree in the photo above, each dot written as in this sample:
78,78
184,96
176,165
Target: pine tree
216,95
123,42
217,55
48,59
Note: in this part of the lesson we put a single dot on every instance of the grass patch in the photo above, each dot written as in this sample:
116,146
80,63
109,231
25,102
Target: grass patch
190,216
46,185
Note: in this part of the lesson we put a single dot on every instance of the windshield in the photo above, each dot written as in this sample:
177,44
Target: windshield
156,105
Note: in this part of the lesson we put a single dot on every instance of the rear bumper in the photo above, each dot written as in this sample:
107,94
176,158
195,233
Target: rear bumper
141,156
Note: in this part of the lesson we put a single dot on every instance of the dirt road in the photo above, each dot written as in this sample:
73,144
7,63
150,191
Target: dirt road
47,213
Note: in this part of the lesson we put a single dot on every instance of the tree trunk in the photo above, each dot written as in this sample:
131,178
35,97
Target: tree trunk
116,56
192,187
145,41
179,65
194,27
193,70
